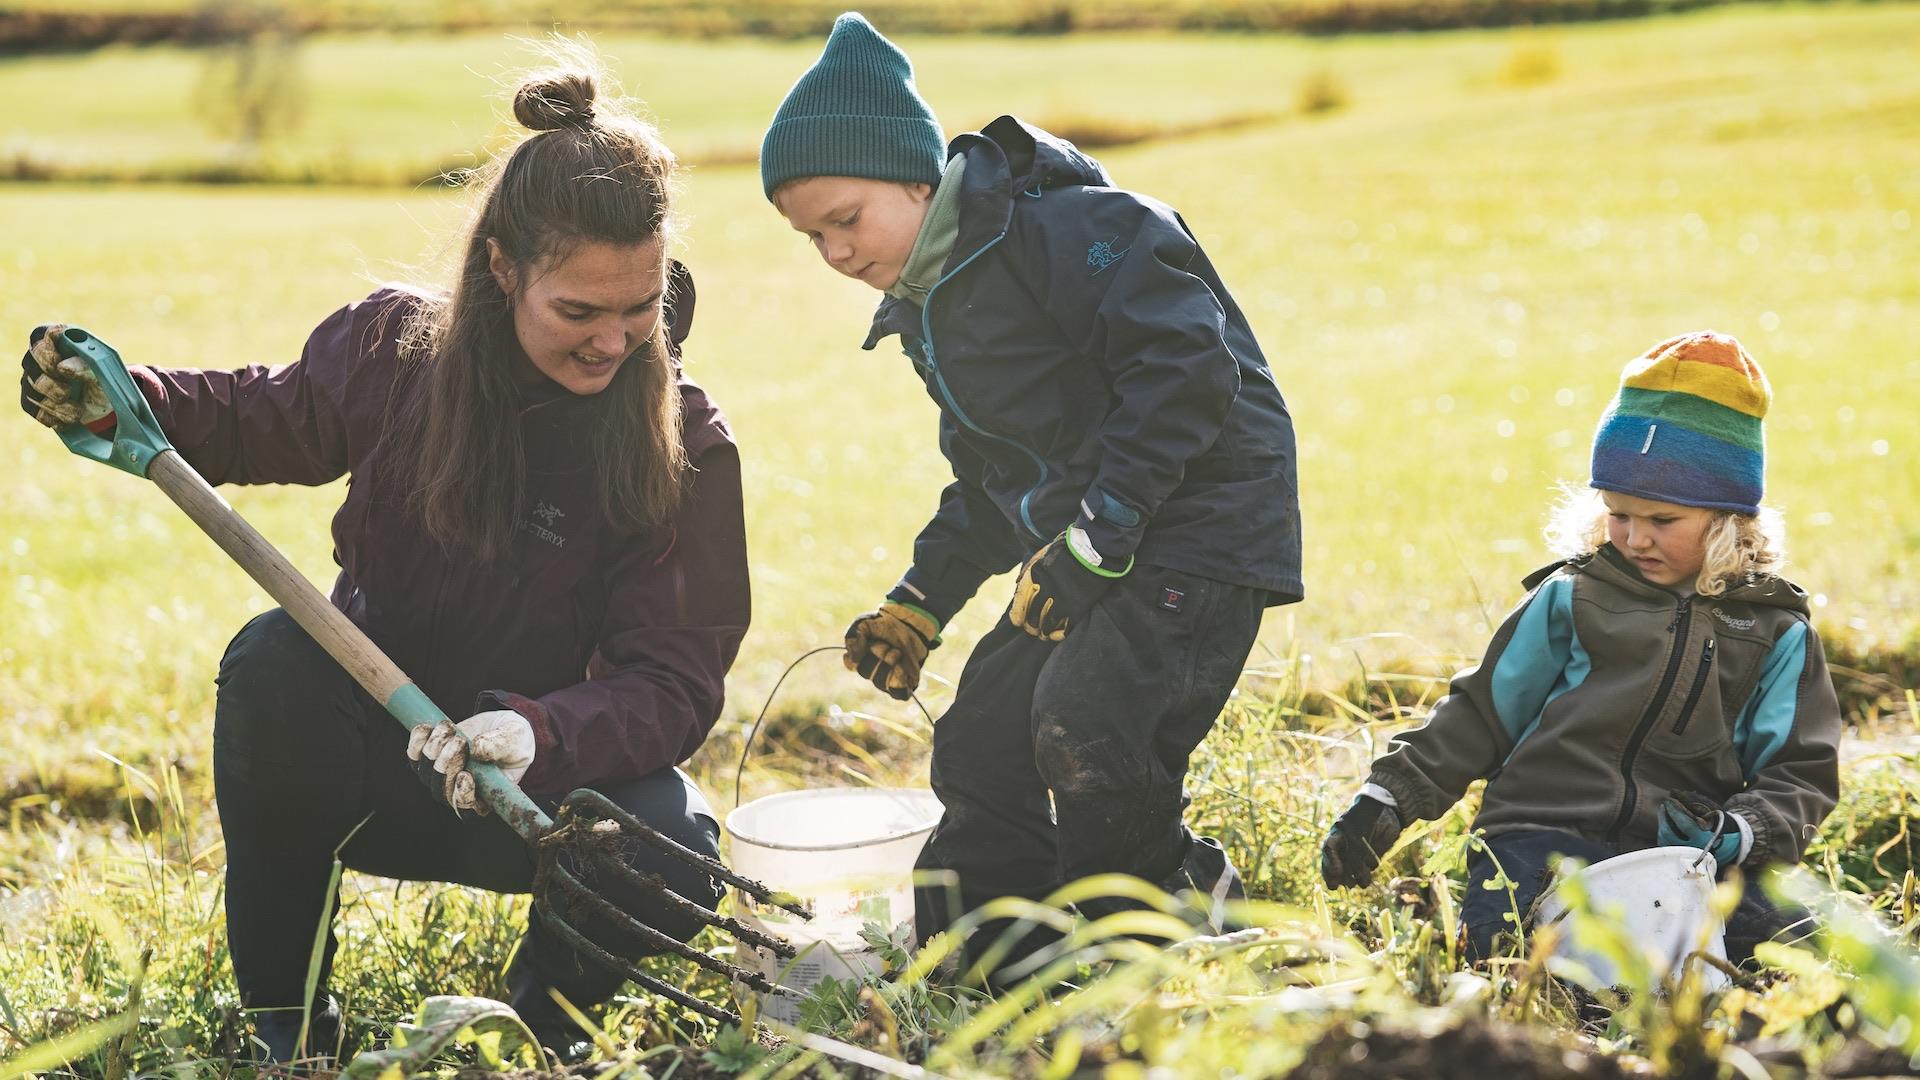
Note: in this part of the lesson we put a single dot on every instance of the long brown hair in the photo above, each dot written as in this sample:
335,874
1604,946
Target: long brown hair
591,172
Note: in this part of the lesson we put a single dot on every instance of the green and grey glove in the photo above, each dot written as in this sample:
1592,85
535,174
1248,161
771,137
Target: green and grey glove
1691,819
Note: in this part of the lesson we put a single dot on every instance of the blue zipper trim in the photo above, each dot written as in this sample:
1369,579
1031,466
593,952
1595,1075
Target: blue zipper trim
933,365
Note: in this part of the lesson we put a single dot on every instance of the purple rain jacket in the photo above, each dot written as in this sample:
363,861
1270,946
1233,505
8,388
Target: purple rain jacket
614,644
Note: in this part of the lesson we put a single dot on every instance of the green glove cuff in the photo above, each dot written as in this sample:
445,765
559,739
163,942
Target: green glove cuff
1077,540
933,638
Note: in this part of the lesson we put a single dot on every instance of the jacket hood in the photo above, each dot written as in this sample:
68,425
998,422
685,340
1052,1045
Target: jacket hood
1005,160
1767,590
1032,158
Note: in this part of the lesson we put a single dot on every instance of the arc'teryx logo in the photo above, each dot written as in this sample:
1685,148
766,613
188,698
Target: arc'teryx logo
548,513
1100,255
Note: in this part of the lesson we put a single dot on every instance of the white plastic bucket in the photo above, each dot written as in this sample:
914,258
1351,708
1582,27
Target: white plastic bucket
1661,898
848,854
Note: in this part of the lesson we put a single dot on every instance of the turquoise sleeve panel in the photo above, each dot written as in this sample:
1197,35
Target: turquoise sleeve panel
1538,663
1768,718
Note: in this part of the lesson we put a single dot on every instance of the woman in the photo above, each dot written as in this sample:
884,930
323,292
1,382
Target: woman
543,528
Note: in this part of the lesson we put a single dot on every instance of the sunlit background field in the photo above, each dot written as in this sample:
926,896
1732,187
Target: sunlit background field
1447,243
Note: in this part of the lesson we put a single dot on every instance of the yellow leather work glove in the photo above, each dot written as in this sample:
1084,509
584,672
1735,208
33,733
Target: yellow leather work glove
1058,587
889,647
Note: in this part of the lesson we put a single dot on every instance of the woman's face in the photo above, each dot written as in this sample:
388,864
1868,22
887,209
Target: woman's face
582,317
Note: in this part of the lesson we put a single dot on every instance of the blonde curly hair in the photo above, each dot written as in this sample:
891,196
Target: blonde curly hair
1739,547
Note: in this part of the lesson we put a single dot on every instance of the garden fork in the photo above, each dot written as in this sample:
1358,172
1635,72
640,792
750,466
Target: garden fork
584,840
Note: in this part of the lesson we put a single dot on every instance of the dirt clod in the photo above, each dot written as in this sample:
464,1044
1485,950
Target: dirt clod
1470,1050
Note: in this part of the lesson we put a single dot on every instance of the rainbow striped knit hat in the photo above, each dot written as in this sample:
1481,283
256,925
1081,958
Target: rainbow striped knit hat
1685,426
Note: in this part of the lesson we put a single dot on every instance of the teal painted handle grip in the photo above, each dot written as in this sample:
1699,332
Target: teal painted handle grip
137,438
412,707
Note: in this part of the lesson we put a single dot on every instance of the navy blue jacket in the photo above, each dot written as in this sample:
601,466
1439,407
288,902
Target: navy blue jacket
1090,367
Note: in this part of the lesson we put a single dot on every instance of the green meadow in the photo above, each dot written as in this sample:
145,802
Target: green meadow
1447,269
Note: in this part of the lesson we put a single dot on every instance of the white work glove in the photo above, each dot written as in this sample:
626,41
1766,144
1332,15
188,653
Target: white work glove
502,737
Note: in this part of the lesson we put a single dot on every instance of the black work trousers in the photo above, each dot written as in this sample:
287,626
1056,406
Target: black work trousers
303,757
1061,760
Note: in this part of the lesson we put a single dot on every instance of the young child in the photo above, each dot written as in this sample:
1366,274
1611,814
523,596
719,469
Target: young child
1661,685
1113,430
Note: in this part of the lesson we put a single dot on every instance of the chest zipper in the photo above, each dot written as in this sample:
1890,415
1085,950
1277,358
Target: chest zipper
1682,619
1699,684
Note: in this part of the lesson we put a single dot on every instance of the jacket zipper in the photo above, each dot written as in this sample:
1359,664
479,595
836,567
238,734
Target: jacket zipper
1699,684
933,365
1682,617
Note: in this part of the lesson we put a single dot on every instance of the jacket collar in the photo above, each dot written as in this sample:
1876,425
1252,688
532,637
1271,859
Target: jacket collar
1612,567
939,230
1607,564
1007,159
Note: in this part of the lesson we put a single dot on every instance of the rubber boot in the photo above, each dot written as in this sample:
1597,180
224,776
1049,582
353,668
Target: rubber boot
556,1032
277,1035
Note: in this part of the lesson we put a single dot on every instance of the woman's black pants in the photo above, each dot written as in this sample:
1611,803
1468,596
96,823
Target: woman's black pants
304,759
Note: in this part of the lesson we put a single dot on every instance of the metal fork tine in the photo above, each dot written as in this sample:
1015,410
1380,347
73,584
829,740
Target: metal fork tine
588,948
560,876
655,885
590,804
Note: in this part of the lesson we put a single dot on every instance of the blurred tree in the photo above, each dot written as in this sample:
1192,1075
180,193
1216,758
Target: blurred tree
252,88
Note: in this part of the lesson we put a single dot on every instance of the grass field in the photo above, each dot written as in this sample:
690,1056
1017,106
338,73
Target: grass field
65,23
408,105
1447,275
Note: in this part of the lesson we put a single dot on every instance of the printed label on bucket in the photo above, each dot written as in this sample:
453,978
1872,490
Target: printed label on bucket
818,962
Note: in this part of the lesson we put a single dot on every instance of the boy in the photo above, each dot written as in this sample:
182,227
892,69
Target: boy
1113,430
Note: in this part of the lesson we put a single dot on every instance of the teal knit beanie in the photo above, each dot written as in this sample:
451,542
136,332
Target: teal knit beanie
855,112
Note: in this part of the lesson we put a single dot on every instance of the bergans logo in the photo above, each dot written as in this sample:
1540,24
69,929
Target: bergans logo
1733,623
548,514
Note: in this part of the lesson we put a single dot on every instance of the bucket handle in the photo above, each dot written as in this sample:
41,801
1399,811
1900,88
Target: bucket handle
1721,819
746,746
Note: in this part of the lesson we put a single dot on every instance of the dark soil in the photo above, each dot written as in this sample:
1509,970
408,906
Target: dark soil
1859,1058
1472,1050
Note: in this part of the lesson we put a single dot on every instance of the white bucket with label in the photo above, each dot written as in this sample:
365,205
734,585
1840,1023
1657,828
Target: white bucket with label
846,853
1661,899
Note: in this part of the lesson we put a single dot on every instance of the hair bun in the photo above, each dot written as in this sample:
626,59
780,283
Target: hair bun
555,100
